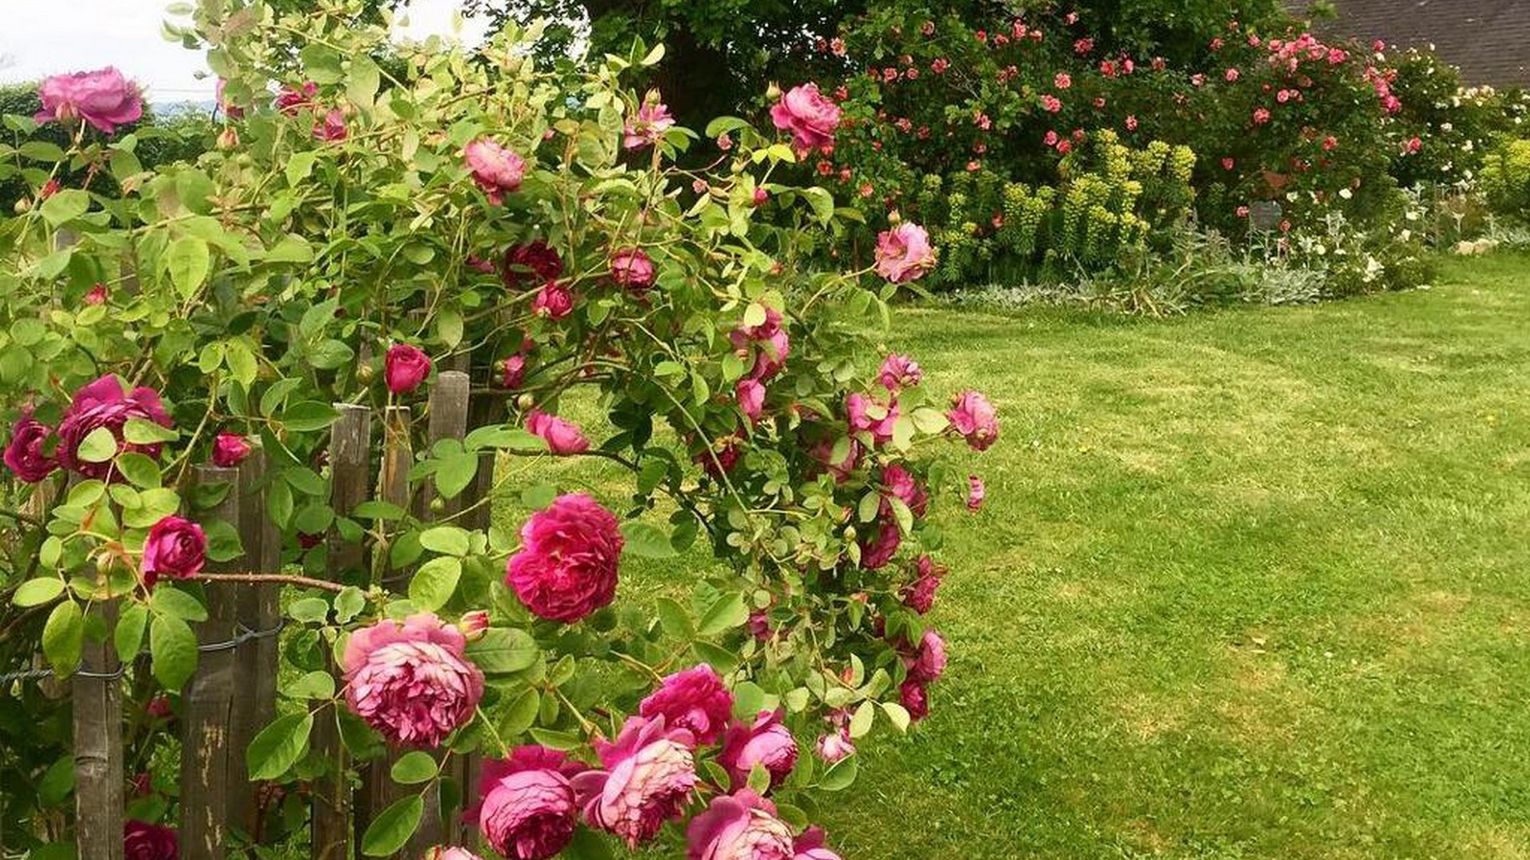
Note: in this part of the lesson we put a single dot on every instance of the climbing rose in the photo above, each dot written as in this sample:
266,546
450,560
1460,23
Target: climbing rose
230,110
332,127
904,253
528,810
809,116
97,295
495,169
230,449
928,661
899,371
648,777
866,415
513,371
650,123
976,492
920,594
563,437
741,826
695,700
103,403
406,367
902,485
876,553
441,852
24,455
823,452
751,398
632,269
975,419
766,742
809,846
553,301
292,100
835,746
915,700
144,841
411,681
176,548
567,566
103,98
536,258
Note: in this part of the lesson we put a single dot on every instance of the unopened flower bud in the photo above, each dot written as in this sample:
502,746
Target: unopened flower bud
364,373
229,139
525,402
474,624
773,92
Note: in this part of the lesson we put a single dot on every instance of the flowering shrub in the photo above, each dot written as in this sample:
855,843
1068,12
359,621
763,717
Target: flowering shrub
380,222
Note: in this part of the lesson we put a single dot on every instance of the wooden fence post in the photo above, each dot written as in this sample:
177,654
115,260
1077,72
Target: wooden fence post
98,777
208,699
255,661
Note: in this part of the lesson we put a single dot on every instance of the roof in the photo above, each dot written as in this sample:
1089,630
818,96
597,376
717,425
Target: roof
1488,39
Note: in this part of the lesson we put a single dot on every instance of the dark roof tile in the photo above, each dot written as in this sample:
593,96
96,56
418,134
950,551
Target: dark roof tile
1488,39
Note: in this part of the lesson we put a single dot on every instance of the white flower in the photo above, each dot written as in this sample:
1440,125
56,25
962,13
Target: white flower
1346,193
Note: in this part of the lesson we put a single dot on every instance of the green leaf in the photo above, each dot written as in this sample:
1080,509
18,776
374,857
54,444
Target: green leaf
646,541
168,600
278,746
860,722
128,637
447,540
556,740
841,775
139,470
392,827
898,715
223,542
454,473
588,845
173,648
36,592
434,583
99,446
725,613
349,603
65,206
674,618
188,262
312,685
308,416
503,650
309,610
63,637
414,767
364,81
521,714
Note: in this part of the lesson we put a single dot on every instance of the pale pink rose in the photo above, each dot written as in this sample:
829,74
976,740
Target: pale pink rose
811,118
103,98
405,367
632,269
175,548
411,680
741,826
810,846
920,594
835,746
1062,80
648,778
25,456
527,808
1261,116
563,437
144,841
230,449
766,742
104,403
751,398
553,301
496,170
649,125
904,253
901,484
567,567
975,419
976,492
695,700
928,661
1231,75
899,371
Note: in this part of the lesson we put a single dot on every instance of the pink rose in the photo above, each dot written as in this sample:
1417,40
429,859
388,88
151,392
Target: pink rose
810,846
332,127
230,110
528,810
563,437
883,545
720,457
103,98
230,449
751,398
456,852
867,416
103,403
928,662
976,492
553,301
975,419
411,681
24,455
567,566
291,101
97,295
766,742
899,371
176,548
901,484
405,368
648,777
535,262
920,594
811,118
823,452
1261,116
904,253
695,700
631,269
741,826
650,123
495,169
512,371
1062,80
144,841
915,699
835,746
158,708
771,340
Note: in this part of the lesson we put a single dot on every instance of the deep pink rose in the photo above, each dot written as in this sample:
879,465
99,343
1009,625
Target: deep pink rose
512,371
649,125
553,301
902,485
332,127
103,98
928,662
975,419
535,262
759,625
648,778
291,101
175,548
159,708
920,594
811,118
720,457
144,841
405,368
230,449
528,810
567,565
695,700
810,846
766,742
411,681
495,169
868,416
563,437
770,339
883,545
632,269
24,455
740,826
976,492
823,452
904,253
230,110
103,403
97,295
915,700
751,398
899,371
835,746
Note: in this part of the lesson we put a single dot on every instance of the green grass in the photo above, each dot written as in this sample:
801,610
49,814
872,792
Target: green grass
1252,583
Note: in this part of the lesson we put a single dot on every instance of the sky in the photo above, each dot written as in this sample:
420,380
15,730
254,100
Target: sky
44,37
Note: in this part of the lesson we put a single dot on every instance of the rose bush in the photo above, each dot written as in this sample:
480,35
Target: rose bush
400,210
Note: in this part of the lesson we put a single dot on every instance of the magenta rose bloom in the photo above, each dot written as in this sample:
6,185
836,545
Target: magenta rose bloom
915,700
103,98
495,169
877,552
810,846
553,301
631,269
230,110
103,403
24,455
899,371
771,341
411,681
563,437
527,809
823,452
904,253
811,118
975,419
751,398
868,416
230,449
144,841
740,826
766,742
920,594
928,661
536,262
512,371
292,100
442,852
648,126
901,484
175,548
331,127
405,368
695,700
976,492
835,746
648,776
567,565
